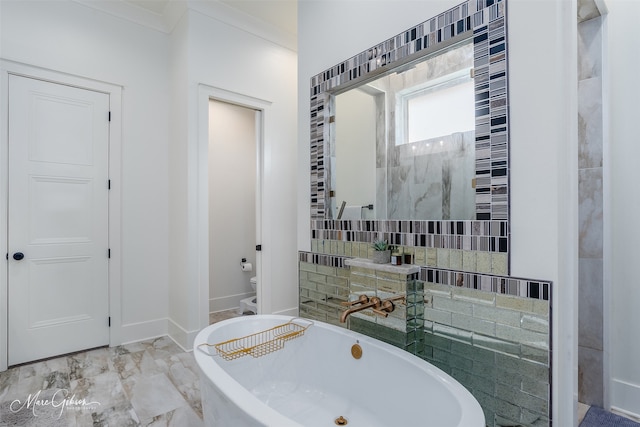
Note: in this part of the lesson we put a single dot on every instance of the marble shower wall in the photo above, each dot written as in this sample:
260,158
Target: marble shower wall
429,182
426,180
590,180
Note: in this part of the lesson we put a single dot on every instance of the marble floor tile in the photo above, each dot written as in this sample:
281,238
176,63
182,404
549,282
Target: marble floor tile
152,396
129,348
149,383
8,379
89,363
139,363
162,348
128,364
42,375
122,415
582,411
180,417
152,382
182,372
219,316
23,411
191,393
99,390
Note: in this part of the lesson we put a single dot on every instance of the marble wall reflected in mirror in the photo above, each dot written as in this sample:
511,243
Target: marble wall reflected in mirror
404,143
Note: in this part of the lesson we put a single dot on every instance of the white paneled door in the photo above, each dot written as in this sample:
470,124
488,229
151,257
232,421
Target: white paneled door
58,219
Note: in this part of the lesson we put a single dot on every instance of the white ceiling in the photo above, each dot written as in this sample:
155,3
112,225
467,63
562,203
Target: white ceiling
282,14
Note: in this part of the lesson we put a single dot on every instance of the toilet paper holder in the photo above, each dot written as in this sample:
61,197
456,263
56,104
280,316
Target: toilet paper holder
245,266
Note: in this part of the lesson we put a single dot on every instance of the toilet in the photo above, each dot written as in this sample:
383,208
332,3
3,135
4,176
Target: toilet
251,303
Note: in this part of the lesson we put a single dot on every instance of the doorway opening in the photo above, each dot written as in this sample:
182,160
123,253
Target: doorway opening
233,165
203,214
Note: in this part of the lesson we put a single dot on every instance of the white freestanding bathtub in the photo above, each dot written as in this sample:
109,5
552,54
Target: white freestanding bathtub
315,381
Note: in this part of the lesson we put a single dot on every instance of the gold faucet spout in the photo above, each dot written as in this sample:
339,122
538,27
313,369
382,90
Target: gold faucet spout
373,302
380,307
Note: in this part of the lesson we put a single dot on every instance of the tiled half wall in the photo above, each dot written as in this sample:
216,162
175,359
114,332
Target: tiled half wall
489,332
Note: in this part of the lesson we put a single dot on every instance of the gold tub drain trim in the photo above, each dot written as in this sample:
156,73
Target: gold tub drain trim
356,351
341,421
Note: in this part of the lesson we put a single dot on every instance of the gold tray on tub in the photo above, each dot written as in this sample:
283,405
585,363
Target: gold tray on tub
260,343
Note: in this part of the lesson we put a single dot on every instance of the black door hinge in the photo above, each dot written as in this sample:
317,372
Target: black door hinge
109,321
108,184
258,247
109,253
109,115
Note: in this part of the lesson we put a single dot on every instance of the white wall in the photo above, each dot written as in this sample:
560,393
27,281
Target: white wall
544,180
232,203
222,56
71,38
355,151
624,150
542,130
267,71
160,74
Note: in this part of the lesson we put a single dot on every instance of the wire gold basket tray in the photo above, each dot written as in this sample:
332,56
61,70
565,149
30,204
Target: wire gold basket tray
260,343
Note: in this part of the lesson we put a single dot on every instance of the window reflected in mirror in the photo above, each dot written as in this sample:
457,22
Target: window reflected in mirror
403,145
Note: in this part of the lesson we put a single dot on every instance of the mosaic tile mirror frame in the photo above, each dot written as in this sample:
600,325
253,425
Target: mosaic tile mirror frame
484,21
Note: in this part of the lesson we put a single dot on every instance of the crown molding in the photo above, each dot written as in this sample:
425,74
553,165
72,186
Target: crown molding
175,9
219,11
173,13
128,12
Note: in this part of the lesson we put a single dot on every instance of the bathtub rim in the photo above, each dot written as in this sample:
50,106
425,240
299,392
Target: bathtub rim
246,401
263,414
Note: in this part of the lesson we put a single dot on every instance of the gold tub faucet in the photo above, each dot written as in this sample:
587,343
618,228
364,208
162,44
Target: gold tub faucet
380,307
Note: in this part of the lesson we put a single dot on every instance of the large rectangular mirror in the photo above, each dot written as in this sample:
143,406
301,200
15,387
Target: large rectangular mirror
391,138
403,144
393,153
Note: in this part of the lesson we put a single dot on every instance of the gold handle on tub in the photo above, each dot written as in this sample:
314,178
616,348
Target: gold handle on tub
385,308
362,300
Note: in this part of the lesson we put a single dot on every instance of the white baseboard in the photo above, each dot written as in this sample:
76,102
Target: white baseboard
288,312
229,302
625,398
182,337
134,332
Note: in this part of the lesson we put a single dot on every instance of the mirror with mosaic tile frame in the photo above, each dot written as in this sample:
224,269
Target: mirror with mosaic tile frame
483,24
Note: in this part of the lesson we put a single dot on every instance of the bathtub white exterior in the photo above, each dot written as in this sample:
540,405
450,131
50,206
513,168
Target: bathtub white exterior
387,386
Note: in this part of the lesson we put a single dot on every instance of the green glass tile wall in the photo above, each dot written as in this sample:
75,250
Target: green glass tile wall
322,289
496,345
383,333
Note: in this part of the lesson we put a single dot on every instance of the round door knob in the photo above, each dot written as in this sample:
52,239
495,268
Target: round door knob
18,256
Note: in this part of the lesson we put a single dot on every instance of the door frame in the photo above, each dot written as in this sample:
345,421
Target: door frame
115,167
201,229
